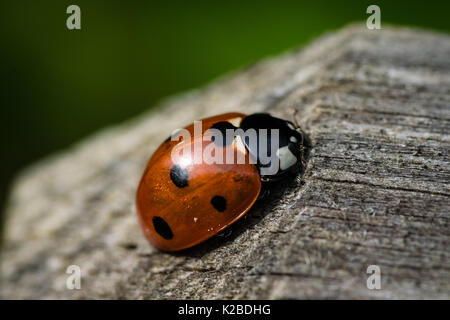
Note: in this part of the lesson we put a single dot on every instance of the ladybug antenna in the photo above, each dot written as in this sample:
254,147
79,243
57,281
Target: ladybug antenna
297,125
294,118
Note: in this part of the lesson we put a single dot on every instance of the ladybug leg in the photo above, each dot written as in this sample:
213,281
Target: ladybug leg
265,193
225,233
302,158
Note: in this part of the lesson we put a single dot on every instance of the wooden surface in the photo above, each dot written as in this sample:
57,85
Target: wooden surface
376,105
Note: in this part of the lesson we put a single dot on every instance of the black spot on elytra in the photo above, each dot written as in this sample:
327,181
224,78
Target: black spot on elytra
162,228
222,127
179,176
219,203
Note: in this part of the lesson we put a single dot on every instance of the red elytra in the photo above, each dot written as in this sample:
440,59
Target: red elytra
181,205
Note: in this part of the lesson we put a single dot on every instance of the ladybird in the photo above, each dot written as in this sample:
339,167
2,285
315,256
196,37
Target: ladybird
181,202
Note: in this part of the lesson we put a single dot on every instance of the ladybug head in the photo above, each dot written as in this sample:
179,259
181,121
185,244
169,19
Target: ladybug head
279,147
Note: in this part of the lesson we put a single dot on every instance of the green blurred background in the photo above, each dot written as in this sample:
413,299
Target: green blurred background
60,85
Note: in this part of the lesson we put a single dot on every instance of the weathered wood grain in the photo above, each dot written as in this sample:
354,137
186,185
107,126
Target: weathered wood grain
376,105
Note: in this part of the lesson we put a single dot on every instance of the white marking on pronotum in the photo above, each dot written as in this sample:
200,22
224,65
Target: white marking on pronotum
293,139
235,121
287,159
239,144
291,126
